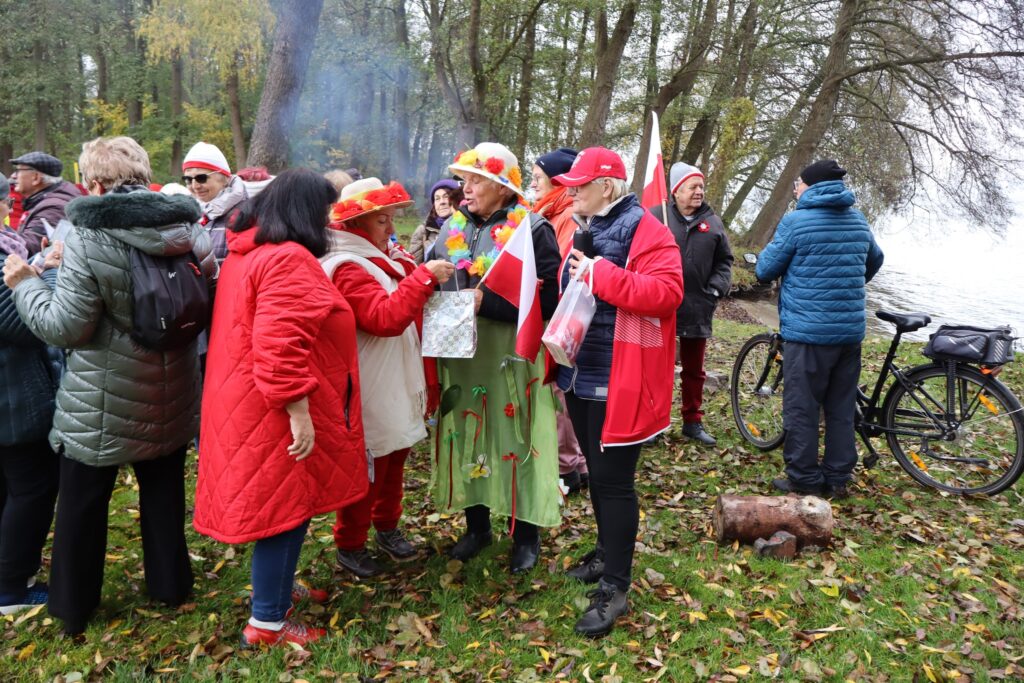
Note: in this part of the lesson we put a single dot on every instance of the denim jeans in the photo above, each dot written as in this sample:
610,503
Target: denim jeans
273,572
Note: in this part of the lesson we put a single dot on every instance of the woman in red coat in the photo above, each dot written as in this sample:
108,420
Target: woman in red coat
387,292
282,436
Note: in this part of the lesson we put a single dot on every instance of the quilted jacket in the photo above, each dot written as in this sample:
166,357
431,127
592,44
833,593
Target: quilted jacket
281,332
117,402
27,375
826,253
645,292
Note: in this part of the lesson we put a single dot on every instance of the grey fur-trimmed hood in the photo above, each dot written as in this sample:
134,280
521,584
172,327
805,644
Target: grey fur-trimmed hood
142,209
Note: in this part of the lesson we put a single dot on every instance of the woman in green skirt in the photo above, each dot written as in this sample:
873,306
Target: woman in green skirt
495,448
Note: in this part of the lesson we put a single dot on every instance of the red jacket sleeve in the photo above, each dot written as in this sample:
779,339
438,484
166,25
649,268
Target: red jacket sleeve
293,300
377,312
655,289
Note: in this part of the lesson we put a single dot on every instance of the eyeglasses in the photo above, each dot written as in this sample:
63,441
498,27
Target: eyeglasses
23,169
200,178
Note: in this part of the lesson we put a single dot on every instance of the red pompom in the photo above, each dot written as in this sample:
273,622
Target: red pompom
494,165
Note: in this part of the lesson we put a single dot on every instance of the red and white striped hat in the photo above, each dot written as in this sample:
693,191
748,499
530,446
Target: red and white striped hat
207,156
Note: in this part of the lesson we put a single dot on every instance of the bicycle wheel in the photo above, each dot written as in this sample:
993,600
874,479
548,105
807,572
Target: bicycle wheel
977,447
756,391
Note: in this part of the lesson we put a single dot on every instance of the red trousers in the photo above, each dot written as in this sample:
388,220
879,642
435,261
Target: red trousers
691,391
382,504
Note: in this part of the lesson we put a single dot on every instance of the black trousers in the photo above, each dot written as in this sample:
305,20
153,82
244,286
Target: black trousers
817,378
478,520
28,489
612,489
80,535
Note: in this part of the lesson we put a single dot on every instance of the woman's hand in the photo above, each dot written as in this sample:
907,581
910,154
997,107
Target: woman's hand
55,256
442,270
17,269
479,299
302,429
578,262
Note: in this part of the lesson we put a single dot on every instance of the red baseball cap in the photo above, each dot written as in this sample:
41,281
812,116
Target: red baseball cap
591,164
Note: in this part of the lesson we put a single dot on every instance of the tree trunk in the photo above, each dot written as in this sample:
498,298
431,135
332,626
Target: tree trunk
102,75
525,93
819,119
433,167
40,103
235,114
177,109
570,123
683,80
748,518
742,42
294,37
608,53
401,139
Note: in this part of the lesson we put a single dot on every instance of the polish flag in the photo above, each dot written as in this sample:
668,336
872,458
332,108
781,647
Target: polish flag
513,277
655,191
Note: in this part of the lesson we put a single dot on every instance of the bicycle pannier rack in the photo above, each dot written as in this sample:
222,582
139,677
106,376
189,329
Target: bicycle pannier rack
971,344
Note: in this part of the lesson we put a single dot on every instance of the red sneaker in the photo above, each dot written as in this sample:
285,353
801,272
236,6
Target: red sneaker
293,632
302,592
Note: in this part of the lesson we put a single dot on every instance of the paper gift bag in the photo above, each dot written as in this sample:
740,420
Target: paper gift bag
449,325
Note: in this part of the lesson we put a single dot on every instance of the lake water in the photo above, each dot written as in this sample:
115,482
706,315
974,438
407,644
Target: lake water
955,274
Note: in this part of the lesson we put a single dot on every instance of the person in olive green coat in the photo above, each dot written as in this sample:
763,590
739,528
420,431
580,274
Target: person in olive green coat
118,402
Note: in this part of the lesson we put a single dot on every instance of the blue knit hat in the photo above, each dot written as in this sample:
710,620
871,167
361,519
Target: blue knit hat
557,162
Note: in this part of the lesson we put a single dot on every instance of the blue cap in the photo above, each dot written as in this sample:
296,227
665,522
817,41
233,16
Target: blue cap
557,162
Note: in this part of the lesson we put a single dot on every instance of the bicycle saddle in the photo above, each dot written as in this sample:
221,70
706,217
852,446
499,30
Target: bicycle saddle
905,322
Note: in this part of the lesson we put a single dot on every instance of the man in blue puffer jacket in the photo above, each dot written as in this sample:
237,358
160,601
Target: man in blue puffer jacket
827,253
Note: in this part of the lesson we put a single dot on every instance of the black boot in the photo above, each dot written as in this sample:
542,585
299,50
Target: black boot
470,545
786,486
396,546
572,482
695,431
524,557
358,562
607,603
590,567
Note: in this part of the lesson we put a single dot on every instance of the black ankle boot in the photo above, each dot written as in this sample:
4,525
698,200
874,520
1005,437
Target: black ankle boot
590,567
607,603
470,545
524,557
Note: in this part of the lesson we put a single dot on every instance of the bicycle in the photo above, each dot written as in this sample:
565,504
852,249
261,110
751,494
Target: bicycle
951,426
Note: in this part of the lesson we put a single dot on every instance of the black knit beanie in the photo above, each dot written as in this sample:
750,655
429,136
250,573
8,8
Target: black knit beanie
826,169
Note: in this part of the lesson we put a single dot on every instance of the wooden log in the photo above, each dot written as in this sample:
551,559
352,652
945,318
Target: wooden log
747,518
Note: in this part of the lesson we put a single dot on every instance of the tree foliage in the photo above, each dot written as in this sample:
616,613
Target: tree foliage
914,98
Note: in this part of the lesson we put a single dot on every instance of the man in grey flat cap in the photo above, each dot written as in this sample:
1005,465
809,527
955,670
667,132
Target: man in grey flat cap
37,177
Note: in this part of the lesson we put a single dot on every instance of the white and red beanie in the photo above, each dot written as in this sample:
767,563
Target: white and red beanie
206,156
680,173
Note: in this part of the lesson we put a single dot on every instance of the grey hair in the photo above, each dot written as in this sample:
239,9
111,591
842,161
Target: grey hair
619,187
50,179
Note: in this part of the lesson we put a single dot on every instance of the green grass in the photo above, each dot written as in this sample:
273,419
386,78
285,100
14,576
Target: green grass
886,605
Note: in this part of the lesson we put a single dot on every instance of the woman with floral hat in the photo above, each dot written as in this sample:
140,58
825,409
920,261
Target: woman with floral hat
387,293
496,448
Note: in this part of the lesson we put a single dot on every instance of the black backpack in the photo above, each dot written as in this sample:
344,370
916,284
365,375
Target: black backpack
170,300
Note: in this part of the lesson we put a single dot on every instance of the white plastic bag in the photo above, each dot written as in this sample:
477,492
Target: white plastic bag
570,321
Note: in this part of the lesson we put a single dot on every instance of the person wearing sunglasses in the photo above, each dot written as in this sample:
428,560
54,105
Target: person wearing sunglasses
207,175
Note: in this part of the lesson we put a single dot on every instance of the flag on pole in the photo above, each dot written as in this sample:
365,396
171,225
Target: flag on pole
655,191
513,277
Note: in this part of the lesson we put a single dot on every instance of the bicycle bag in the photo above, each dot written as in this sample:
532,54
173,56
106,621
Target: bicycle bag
170,300
979,345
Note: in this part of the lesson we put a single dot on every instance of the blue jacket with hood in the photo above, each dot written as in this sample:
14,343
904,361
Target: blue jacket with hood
825,253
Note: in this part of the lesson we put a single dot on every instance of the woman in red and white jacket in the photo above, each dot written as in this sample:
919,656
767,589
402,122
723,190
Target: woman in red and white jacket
387,292
620,392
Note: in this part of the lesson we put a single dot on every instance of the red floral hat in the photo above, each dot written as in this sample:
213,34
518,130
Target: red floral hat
366,196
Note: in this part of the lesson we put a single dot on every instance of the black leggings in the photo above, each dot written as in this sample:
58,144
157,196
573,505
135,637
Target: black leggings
478,520
612,490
